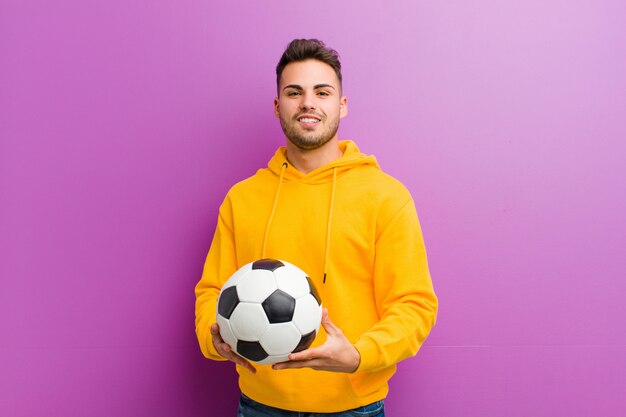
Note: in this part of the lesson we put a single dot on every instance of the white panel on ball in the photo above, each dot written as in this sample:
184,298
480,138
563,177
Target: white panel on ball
280,339
288,281
236,277
226,332
256,286
249,321
307,314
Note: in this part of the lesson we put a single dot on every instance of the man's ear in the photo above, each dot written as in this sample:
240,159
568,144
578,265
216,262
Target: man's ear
343,109
276,112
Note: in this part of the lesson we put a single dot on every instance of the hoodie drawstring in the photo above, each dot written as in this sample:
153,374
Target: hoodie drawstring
330,219
274,204
328,226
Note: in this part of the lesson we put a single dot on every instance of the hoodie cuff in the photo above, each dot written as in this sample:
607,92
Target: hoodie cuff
369,355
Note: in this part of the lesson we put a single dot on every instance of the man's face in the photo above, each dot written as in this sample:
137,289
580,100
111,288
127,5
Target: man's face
309,103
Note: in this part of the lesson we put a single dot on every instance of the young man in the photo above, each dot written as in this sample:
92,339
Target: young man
329,209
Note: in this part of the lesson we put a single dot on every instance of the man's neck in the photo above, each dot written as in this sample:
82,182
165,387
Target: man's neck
306,161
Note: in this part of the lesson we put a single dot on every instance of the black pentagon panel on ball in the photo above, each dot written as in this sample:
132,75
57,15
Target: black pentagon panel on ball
313,291
279,307
228,301
251,350
305,341
267,264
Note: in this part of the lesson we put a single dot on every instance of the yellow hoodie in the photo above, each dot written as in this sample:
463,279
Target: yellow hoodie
355,231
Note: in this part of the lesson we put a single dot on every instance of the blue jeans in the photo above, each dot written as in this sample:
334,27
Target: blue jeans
251,408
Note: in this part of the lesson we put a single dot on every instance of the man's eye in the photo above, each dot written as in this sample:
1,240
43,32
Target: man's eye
293,93
323,93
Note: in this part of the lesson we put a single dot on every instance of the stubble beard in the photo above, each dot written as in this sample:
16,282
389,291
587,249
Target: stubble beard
308,141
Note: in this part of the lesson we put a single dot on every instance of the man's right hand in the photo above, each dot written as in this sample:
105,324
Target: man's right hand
226,351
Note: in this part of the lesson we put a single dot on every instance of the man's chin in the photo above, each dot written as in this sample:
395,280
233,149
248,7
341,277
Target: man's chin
308,144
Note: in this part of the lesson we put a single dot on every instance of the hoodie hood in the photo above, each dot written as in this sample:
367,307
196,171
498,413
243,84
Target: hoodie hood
351,157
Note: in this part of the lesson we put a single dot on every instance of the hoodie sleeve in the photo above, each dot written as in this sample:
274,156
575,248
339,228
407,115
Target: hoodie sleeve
219,265
405,299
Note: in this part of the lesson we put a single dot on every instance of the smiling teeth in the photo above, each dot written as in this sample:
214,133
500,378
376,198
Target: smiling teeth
307,120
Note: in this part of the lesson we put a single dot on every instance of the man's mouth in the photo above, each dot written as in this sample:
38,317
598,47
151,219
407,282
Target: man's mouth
308,120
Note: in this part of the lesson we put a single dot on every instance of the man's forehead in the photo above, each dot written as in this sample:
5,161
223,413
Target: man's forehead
309,73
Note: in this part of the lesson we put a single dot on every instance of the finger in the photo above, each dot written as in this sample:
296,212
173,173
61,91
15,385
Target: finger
215,331
233,357
290,365
324,314
242,362
308,354
317,364
328,325
226,350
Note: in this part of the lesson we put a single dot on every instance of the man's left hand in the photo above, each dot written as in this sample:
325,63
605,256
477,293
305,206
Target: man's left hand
337,354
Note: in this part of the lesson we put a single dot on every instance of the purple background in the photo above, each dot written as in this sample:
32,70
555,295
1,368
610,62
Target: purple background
123,123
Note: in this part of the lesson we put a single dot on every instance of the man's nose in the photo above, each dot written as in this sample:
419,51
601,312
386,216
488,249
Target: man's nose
307,101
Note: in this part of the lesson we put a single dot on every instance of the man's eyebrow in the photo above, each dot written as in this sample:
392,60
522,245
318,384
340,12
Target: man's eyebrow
315,87
322,86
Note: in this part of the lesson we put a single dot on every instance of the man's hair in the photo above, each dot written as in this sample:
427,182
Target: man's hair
303,49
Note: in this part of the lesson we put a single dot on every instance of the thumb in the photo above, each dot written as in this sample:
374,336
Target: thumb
328,325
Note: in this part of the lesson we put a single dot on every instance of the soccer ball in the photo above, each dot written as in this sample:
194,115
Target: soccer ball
267,310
